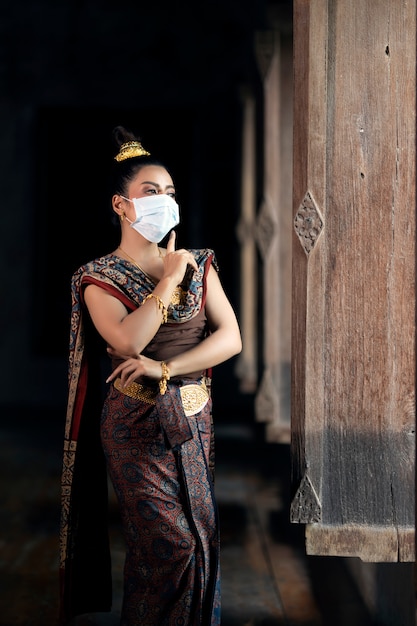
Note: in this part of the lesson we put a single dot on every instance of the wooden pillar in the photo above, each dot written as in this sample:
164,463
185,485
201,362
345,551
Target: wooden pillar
247,363
353,307
273,232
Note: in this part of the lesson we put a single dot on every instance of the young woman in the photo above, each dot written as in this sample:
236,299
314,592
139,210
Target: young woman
164,320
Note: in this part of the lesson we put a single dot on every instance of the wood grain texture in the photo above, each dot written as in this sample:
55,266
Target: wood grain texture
353,333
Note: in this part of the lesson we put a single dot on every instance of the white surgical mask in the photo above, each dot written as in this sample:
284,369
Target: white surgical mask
155,216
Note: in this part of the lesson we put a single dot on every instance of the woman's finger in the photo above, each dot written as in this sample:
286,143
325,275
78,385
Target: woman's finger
171,242
120,369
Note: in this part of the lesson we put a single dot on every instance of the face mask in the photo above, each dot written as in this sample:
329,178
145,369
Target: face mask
155,216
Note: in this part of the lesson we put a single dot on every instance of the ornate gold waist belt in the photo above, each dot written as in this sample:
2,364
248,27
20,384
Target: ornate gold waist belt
137,391
194,396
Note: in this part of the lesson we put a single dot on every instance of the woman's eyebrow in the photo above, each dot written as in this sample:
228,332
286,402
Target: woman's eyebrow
150,182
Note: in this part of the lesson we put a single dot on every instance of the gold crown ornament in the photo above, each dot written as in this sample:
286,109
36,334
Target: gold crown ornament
131,149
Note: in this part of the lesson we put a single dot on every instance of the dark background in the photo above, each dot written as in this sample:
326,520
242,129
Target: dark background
71,70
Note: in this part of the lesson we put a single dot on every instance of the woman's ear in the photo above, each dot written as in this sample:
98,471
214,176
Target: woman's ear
117,204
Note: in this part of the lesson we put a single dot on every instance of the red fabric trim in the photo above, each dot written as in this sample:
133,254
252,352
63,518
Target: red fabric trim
90,280
83,377
79,401
206,270
209,371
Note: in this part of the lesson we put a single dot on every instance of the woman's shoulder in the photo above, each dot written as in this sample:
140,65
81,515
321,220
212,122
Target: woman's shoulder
99,267
96,265
202,255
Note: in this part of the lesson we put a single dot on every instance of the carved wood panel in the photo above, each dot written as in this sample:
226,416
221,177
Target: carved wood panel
353,325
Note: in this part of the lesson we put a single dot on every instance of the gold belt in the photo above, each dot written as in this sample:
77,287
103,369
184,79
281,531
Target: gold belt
137,391
194,397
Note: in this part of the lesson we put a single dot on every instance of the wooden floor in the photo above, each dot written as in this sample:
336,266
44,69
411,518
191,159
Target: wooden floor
266,577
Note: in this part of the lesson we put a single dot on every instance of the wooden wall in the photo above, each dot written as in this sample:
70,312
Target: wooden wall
353,324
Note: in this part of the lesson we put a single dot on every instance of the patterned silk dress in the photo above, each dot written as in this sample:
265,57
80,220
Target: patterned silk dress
159,454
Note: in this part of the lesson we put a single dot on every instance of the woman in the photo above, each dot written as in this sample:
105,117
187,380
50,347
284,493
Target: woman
165,321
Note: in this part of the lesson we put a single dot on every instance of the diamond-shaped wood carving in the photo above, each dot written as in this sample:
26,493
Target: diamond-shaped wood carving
264,48
308,223
266,228
266,401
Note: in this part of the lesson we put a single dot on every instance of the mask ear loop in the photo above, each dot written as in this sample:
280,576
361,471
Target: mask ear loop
123,215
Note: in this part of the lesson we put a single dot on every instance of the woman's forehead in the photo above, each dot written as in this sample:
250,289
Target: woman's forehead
155,173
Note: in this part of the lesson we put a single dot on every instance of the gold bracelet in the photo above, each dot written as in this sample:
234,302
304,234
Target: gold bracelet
164,378
161,306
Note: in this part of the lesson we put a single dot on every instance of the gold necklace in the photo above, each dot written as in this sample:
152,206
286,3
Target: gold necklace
134,262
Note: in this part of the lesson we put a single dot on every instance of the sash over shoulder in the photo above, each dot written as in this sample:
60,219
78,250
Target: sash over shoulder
84,547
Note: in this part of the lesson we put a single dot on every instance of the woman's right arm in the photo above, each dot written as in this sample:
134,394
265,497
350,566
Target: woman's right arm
127,332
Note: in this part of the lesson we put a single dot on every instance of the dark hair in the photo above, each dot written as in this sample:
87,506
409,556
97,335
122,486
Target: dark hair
125,171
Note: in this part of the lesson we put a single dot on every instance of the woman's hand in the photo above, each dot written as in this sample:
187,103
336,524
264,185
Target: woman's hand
177,261
133,368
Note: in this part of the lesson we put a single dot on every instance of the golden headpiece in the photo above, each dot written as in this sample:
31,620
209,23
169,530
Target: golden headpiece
131,149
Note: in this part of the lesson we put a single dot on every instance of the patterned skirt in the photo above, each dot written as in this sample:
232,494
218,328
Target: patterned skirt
168,511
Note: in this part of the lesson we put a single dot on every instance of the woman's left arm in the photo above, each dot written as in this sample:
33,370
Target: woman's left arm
223,342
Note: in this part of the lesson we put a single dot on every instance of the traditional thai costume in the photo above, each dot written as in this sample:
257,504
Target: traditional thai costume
158,451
